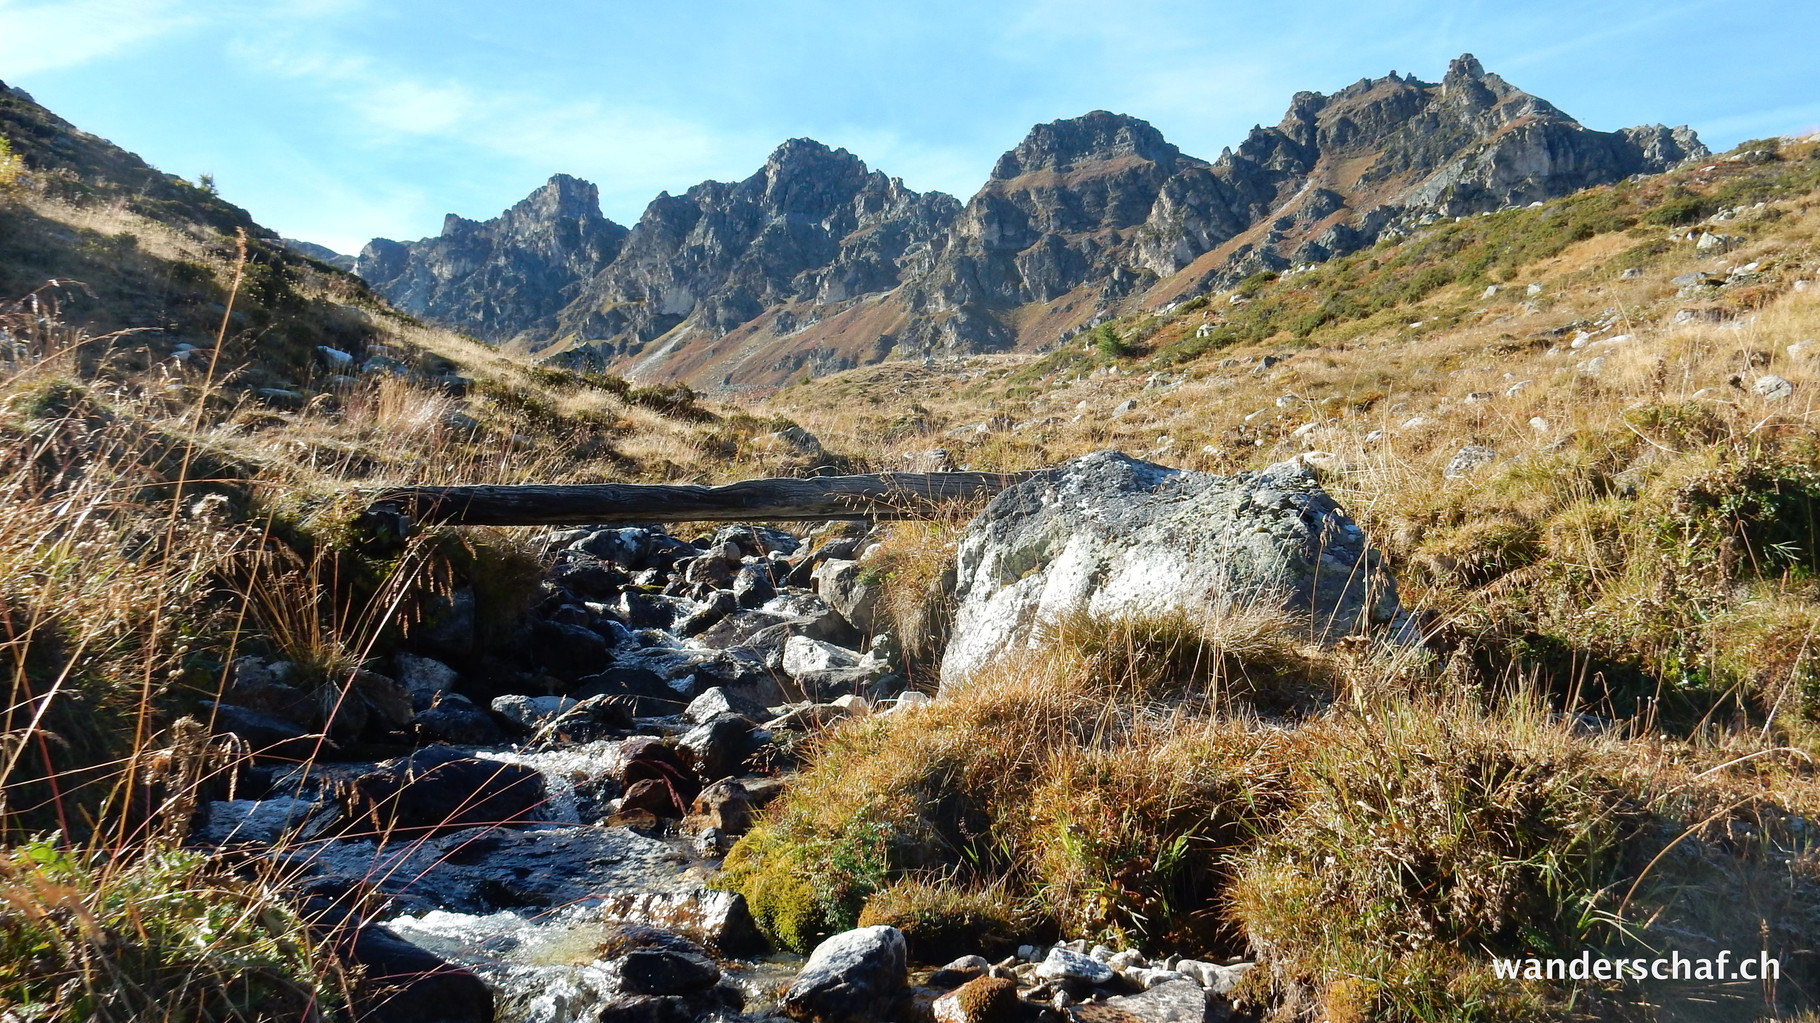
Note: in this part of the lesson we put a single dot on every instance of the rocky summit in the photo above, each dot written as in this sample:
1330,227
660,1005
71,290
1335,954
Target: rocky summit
502,277
817,263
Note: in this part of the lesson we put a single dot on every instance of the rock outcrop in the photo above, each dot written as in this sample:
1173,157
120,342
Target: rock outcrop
1113,536
852,977
812,229
503,277
816,263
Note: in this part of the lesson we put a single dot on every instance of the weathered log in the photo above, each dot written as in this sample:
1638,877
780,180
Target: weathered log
891,495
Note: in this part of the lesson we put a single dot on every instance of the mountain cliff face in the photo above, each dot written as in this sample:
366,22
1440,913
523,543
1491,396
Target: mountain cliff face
504,277
815,263
812,228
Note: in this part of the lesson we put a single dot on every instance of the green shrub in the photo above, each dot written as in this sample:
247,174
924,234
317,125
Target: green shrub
162,936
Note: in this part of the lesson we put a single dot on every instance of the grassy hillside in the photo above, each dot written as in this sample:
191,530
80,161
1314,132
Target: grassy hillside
1606,741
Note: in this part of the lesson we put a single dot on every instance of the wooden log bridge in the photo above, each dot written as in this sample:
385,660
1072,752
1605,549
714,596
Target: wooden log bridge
889,495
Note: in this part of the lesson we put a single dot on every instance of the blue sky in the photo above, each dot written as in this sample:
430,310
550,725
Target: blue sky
339,120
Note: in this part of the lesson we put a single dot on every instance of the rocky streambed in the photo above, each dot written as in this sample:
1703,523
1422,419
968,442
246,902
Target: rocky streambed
541,844
530,831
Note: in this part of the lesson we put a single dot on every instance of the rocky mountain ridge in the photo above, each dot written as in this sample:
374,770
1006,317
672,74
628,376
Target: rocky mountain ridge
817,263
505,276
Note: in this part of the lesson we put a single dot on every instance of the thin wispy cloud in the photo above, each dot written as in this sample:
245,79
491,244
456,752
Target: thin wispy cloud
631,152
55,35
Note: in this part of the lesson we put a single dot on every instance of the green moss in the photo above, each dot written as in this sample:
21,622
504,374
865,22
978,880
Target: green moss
791,893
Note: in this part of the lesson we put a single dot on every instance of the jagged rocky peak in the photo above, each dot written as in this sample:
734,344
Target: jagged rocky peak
1099,135
504,277
813,226
805,176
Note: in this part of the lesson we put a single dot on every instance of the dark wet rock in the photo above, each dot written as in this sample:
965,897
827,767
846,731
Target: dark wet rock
265,735
648,610
438,789
660,971
726,806
713,609
753,586
647,692
586,576
959,972
857,976
424,679
720,746
568,651
593,718
456,720
713,571
653,796
719,920
673,786
401,983
263,821
647,1009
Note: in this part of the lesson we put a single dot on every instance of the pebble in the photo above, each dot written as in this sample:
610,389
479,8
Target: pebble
1063,964
1772,387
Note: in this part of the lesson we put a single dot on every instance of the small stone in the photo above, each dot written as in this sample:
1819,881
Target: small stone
1517,388
1063,964
981,1000
529,713
854,706
1533,290
1631,274
959,972
1491,291
907,701
658,971
1148,978
1128,405
856,976
1126,960
1176,1001
1539,424
1469,460
1215,978
1772,387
